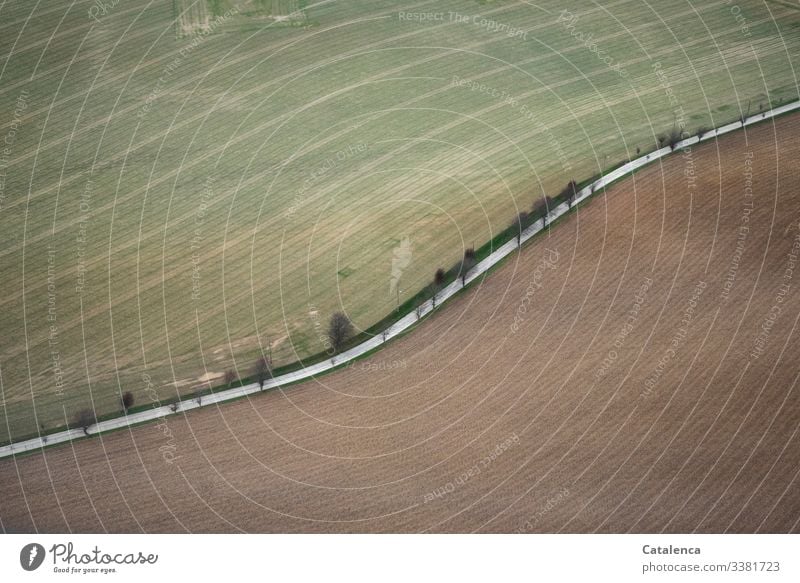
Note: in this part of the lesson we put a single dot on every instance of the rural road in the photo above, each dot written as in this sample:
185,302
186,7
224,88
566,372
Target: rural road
395,329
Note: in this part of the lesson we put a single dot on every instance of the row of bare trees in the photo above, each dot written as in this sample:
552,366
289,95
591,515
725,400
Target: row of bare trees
85,418
340,328
460,270
542,207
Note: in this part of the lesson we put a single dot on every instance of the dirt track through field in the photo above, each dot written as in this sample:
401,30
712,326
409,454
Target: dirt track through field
635,370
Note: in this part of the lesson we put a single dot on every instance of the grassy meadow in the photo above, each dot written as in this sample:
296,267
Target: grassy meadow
176,197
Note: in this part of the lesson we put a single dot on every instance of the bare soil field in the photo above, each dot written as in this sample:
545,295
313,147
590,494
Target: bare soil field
632,371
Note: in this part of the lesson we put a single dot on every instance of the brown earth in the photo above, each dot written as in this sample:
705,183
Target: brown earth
568,423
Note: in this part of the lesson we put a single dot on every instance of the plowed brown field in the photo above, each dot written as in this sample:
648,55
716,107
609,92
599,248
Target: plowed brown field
589,414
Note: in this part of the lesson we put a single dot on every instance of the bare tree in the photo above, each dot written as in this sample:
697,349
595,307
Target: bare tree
432,291
743,117
127,400
85,419
541,208
339,330
230,377
570,193
439,277
675,136
521,222
466,264
198,396
262,371
437,284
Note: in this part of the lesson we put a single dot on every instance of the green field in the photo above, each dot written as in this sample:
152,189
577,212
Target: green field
172,201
